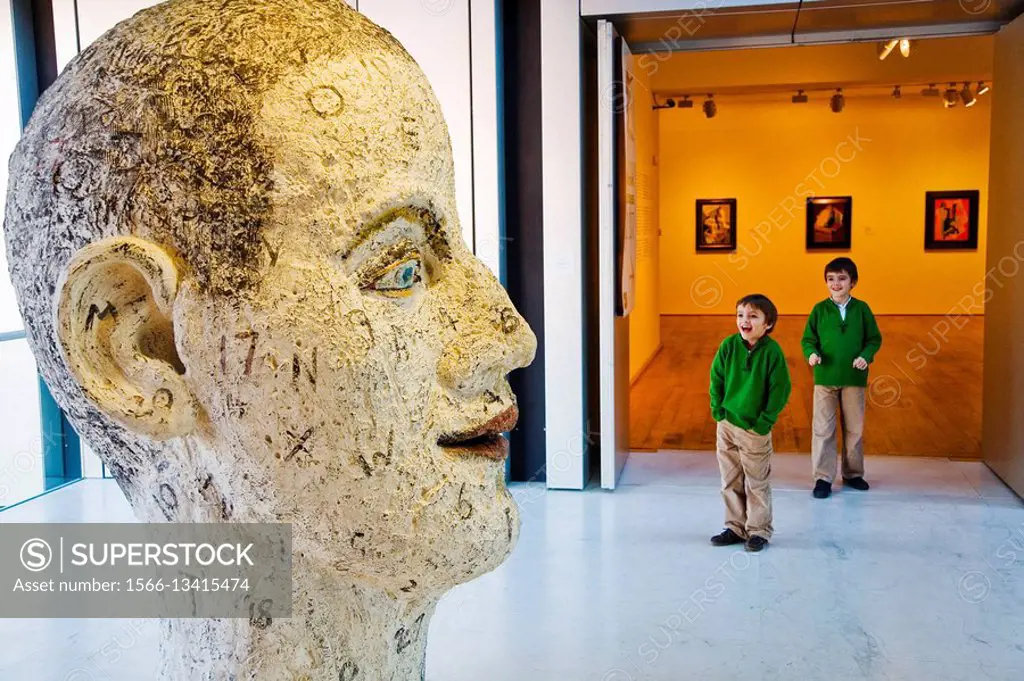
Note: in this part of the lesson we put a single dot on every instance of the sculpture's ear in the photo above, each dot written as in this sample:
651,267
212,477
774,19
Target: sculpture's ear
114,322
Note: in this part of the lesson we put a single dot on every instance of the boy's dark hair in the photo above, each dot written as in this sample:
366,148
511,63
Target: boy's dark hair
765,305
842,265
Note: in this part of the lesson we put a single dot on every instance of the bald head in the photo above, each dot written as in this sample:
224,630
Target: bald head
234,240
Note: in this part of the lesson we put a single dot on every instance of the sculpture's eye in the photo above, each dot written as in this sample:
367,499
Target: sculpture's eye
398,279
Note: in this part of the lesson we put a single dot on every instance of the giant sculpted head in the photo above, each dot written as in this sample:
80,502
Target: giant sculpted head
232,229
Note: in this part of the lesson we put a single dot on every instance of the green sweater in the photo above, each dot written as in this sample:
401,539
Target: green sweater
838,343
749,388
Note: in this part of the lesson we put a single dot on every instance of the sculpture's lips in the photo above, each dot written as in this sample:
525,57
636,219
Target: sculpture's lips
484,440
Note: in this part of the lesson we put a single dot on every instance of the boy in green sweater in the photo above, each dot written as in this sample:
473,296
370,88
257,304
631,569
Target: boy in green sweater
749,387
840,341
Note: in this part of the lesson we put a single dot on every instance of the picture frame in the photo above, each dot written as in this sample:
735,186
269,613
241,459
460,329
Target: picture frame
829,223
951,220
716,225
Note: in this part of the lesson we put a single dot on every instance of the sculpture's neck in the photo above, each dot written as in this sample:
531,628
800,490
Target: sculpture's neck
337,632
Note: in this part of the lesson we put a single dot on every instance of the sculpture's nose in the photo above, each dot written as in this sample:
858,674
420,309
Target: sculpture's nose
491,338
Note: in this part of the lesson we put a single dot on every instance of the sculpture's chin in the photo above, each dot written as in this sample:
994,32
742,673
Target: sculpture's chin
502,538
438,555
486,547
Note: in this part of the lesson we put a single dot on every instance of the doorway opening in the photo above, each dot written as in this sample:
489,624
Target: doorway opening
729,147
885,134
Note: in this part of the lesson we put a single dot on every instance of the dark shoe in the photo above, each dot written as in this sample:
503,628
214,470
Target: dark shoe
857,483
726,538
822,489
756,543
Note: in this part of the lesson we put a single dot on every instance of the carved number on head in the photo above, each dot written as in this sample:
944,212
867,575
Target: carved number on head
310,370
326,101
253,337
405,637
509,320
163,399
300,443
358,537
167,500
463,507
259,613
96,313
349,671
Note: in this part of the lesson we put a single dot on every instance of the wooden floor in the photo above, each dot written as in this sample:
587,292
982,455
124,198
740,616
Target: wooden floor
924,398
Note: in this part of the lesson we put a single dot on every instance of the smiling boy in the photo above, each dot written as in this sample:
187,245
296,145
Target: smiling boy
749,387
840,341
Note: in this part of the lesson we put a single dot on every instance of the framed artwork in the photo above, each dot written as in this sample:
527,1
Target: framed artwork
829,222
716,225
951,220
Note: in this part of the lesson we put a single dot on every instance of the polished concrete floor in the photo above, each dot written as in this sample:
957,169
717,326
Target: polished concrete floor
920,579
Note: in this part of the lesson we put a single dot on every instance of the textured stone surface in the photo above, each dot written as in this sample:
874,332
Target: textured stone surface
231,226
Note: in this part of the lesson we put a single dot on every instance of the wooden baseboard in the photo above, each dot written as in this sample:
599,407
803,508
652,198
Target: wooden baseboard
647,364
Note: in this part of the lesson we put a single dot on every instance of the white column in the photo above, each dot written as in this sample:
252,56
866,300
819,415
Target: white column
563,243
486,159
1002,441
65,31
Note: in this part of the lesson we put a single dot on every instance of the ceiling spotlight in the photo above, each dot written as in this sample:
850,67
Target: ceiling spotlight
686,103
710,108
669,104
905,47
967,96
800,97
950,98
838,101
930,91
885,49
982,89
896,92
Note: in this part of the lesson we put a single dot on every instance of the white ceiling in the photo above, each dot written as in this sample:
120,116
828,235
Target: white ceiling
660,25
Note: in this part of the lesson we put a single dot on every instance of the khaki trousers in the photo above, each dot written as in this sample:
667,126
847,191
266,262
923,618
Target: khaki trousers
745,461
849,401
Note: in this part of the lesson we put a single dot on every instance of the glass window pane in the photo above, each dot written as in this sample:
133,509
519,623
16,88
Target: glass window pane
92,467
10,130
21,451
